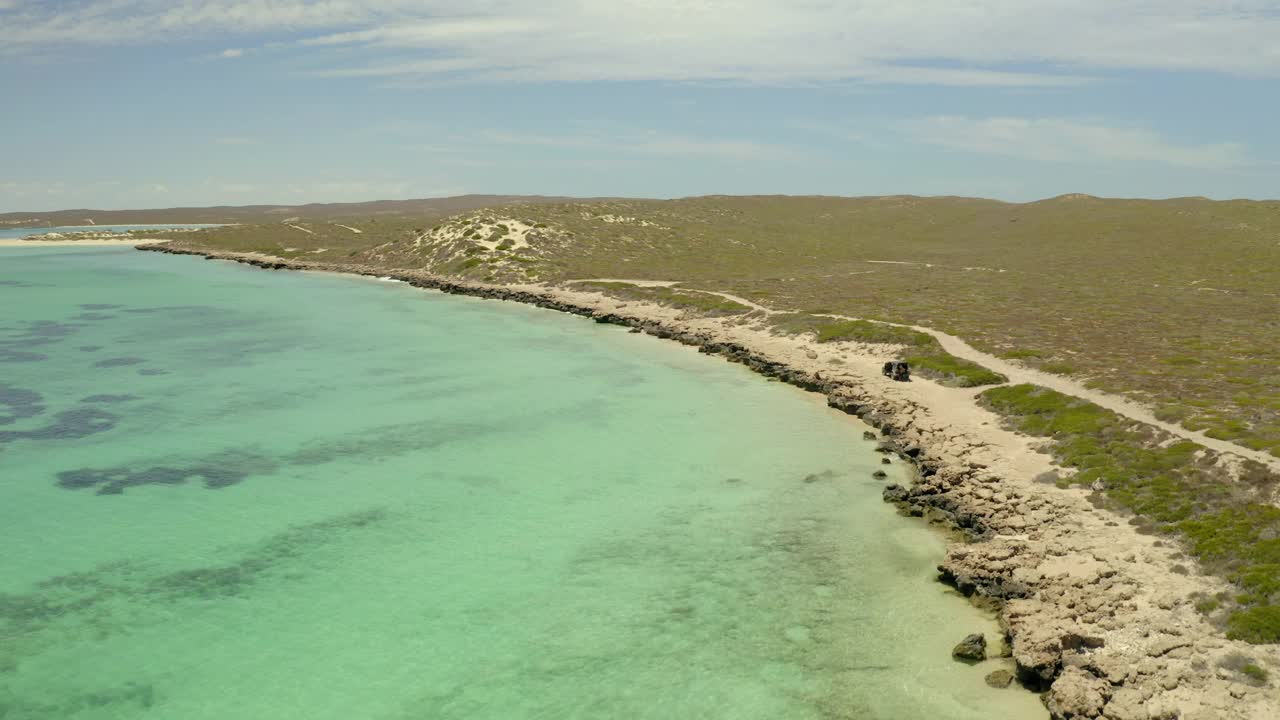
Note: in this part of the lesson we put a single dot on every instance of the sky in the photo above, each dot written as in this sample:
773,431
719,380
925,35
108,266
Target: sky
112,104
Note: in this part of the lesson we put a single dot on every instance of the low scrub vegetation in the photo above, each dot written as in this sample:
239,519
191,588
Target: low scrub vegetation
920,350
955,371
1058,368
702,303
870,332
1172,488
1248,668
1060,280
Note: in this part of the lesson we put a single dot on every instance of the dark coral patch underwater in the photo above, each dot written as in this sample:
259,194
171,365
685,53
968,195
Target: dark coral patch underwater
109,398
46,331
19,344
19,403
119,362
217,472
20,350
67,425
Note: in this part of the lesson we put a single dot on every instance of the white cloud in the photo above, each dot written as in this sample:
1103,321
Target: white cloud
232,53
325,190
417,34
28,189
642,143
1071,141
977,42
415,67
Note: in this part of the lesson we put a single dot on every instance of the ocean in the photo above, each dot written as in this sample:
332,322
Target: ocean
12,233
230,493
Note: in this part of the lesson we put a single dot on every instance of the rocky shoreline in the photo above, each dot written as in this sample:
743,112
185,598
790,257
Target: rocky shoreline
1098,618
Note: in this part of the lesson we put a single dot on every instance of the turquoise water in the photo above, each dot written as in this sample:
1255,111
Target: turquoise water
228,493
12,233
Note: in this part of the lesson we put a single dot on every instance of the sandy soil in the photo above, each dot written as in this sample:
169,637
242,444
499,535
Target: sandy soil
1019,373
1118,404
1099,616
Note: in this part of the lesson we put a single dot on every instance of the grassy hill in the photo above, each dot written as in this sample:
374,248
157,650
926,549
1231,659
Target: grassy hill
1175,303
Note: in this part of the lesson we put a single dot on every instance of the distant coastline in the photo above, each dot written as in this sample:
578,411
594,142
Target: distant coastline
88,234
19,243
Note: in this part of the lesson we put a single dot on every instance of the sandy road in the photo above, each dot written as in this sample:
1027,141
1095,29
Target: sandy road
1018,374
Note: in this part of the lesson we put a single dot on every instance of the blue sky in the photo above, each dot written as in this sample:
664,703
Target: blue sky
158,103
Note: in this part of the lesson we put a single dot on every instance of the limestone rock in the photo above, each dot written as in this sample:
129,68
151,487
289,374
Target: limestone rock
1077,694
894,493
973,648
999,679
1126,704
1038,653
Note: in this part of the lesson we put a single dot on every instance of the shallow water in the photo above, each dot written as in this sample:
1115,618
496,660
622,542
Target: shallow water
12,233
228,493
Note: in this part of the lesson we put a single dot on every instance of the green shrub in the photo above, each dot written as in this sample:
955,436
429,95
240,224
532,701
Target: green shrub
870,332
1040,411
924,355
1166,488
1058,368
1255,673
796,323
1238,662
1208,605
1228,430
954,371
1259,624
704,303
1172,413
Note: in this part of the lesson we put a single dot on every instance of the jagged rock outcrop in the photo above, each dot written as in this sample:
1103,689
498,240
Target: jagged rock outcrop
1077,694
